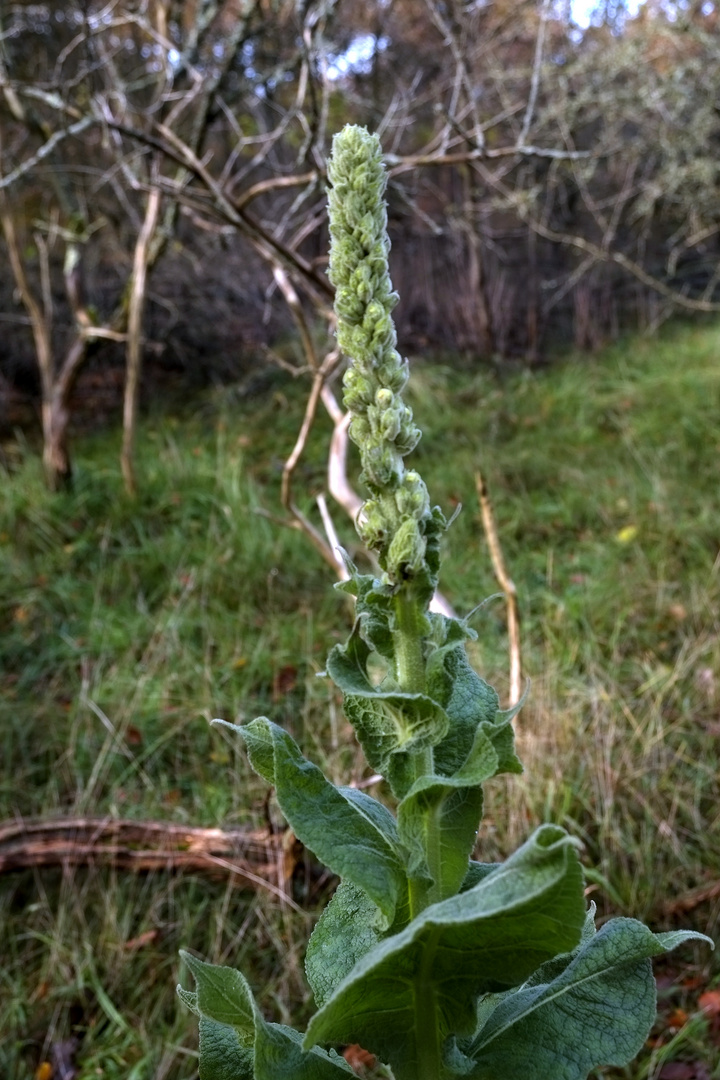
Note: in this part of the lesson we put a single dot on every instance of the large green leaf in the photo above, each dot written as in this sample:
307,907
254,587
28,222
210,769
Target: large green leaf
279,1056
345,932
597,1011
422,983
222,1055
438,819
222,994
237,1043
351,833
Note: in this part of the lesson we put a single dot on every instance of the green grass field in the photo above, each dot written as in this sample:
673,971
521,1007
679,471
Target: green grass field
127,627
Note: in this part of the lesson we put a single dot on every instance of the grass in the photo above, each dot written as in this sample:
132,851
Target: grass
129,626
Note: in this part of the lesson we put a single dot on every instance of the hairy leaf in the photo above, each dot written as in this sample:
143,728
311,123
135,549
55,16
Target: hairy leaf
236,1043
374,609
222,1056
222,994
345,932
597,1011
483,940
477,872
350,832
279,1056
469,701
389,723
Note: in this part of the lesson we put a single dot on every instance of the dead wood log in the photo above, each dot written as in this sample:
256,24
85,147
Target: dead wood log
252,858
680,905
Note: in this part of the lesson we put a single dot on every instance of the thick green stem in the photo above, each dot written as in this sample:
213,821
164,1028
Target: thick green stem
410,622
426,1023
409,659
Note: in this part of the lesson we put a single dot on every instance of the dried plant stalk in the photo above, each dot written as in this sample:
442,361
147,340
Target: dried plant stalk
506,584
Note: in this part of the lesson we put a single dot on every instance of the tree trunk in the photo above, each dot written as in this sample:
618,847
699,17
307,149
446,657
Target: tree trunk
134,339
56,416
481,315
56,454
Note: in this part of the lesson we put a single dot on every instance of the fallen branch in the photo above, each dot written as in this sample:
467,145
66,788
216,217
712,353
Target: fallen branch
506,584
692,899
251,858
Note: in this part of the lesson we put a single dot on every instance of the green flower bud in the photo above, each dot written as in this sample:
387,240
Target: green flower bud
394,522
412,498
382,466
360,430
359,391
407,551
371,524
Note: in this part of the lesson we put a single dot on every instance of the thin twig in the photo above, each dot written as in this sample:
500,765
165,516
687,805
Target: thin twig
692,899
45,149
332,536
136,305
272,184
535,79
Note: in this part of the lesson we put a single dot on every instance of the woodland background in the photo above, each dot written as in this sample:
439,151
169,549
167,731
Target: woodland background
162,163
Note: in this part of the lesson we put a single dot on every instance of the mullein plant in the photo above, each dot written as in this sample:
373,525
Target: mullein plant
440,965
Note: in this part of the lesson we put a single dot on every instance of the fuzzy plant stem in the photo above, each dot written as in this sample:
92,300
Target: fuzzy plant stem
396,520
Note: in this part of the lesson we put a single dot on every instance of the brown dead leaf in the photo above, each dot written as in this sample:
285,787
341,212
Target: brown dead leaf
692,982
677,1019
709,1002
40,991
284,680
359,1059
133,735
142,940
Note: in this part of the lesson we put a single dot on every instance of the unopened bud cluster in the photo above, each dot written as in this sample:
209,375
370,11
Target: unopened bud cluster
393,520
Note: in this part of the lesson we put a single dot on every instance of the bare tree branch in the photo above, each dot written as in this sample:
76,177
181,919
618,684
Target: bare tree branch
46,149
535,78
136,304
